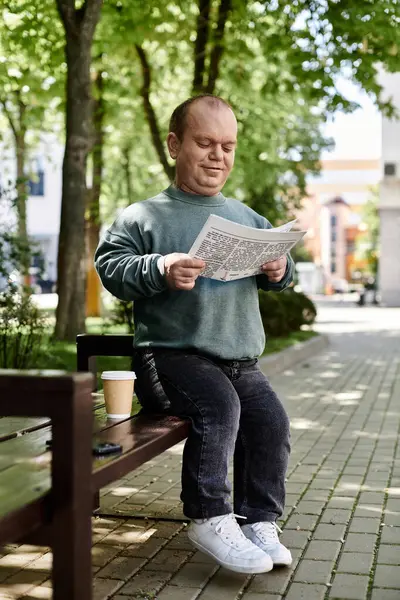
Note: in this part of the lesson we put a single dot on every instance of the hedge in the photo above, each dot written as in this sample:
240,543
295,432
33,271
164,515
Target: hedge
285,312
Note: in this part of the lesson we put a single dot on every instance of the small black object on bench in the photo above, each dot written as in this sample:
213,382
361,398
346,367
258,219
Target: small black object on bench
47,499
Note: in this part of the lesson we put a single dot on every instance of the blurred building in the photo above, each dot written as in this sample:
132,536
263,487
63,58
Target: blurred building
389,264
44,182
331,214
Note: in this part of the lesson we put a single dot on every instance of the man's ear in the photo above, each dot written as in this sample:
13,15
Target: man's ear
173,145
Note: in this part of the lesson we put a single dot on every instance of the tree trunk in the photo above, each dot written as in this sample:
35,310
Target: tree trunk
93,287
79,26
218,48
19,130
151,115
126,166
200,45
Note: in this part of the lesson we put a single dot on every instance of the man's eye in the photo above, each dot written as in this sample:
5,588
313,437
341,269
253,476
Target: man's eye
203,144
227,149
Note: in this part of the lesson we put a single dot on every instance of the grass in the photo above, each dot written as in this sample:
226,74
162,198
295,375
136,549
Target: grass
62,355
277,344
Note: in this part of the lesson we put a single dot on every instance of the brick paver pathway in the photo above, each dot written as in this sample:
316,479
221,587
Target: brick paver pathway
342,519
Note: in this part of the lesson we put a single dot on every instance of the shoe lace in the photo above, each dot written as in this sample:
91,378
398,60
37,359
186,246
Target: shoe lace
230,530
267,531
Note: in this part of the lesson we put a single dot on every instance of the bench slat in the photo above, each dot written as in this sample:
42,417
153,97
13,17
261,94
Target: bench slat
13,426
141,437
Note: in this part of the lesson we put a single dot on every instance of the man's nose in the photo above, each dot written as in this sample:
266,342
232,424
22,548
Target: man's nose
217,153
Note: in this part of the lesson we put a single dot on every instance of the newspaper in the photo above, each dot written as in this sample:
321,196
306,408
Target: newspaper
232,251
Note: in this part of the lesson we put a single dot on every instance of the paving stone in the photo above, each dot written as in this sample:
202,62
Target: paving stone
387,577
389,555
253,596
381,594
181,593
224,584
371,498
336,516
20,583
322,550
316,496
355,562
18,560
103,588
341,502
365,511
200,557
169,560
41,592
194,574
274,582
391,519
44,563
146,582
101,555
349,587
303,522
179,542
359,525
121,567
167,529
390,535
310,507
294,539
145,550
324,531
301,591
314,571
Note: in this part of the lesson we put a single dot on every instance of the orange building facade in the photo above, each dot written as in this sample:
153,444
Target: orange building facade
332,216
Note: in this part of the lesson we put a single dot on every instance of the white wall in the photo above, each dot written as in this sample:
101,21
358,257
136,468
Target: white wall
389,264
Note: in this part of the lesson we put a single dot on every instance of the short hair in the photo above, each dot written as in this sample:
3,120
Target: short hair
177,122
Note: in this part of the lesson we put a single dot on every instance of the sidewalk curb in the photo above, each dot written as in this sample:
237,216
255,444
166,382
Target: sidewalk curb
280,361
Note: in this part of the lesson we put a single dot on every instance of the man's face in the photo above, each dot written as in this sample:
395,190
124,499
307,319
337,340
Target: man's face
205,155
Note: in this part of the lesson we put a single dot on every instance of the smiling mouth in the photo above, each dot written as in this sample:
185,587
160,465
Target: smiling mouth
212,169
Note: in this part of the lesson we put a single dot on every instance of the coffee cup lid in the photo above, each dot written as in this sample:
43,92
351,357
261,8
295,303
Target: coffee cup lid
118,375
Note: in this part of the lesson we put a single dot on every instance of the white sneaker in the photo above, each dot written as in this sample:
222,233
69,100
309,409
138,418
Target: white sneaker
222,538
265,535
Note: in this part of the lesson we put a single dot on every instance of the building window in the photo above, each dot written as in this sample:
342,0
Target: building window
36,184
333,267
333,236
333,220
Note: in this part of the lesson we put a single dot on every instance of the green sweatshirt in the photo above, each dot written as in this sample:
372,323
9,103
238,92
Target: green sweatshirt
221,319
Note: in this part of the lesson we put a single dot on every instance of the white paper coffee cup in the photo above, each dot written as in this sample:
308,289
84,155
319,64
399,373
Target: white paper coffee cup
118,389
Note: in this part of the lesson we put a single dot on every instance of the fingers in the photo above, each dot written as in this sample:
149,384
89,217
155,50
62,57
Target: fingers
275,270
275,276
181,270
275,265
194,263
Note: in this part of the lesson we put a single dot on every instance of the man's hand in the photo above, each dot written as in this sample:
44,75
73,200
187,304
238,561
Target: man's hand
181,270
275,269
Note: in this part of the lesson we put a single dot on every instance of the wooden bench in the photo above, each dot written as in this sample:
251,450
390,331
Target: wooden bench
46,497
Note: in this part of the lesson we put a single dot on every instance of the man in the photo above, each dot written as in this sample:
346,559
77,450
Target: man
197,341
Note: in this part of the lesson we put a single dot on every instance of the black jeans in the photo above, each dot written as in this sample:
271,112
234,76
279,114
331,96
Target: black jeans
234,412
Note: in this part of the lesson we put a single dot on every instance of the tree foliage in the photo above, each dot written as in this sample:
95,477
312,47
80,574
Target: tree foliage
278,63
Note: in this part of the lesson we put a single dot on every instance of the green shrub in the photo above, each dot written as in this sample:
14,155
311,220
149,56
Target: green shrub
285,312
122,314
22,331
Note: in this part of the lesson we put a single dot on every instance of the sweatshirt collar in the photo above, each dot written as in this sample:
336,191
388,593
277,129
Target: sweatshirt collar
173,192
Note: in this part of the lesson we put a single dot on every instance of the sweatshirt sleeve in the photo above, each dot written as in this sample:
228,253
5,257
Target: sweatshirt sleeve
279,286
125,268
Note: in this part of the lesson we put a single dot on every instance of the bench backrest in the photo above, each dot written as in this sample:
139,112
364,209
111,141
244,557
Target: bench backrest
88,347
